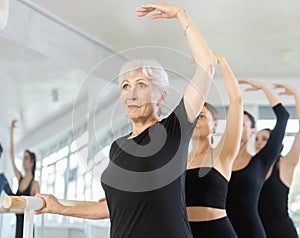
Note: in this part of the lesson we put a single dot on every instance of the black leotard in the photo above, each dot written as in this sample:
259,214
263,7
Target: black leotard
245,184
273,207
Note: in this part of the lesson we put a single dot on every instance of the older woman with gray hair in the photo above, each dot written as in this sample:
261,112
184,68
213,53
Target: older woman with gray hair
144,181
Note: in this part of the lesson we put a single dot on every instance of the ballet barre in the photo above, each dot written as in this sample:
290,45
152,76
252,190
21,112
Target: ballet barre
16,211
29,204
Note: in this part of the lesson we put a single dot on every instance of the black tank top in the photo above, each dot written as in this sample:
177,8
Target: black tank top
26,192
205,187
273,201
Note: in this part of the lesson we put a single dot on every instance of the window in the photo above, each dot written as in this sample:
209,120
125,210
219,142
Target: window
67,173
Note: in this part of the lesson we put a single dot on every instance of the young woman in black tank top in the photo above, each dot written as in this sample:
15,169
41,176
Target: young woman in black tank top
27,185
209,169
249,171
273,202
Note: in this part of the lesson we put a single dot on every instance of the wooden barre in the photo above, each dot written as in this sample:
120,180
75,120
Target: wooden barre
21,202
7,210
36,203
29,204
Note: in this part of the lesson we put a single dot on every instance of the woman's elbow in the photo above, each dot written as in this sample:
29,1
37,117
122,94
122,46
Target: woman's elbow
212,64
237,99
208,64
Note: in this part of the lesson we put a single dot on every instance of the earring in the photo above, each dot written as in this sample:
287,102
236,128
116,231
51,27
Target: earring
159,112
212,137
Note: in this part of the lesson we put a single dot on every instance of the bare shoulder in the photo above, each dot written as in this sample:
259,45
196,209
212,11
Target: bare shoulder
35,187
36,183
287,161
286,171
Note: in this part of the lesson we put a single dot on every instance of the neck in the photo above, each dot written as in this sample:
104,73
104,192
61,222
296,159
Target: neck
243,152
140,125
28,174
200,146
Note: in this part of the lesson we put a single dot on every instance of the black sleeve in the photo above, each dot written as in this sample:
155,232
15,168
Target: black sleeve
178,120
273,147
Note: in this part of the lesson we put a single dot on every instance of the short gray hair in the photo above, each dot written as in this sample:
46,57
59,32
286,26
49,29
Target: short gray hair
149,68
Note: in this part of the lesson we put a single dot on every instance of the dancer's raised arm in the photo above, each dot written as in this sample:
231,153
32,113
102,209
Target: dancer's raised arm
292,158
273,100
12,151
197,90
234,120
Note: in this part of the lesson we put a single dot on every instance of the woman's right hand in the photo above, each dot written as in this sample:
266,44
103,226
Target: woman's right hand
13,124
51,204
166,10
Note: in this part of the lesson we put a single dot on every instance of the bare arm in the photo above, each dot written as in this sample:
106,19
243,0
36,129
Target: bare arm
35,188
292,157
273,100
234,121
4,8
95,211
11,151
197,90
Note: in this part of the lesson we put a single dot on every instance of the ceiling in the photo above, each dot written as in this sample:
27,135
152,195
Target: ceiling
53,52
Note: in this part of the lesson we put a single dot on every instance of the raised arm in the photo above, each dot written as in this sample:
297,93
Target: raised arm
94,211
273,100
292,157
12,152
4,8
271,150
197,90
234,120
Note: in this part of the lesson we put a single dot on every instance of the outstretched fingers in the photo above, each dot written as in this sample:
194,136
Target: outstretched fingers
165,10
254,86
287,89
144,10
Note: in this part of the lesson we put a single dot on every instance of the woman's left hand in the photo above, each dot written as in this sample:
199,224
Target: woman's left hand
254,85
166,10
288,90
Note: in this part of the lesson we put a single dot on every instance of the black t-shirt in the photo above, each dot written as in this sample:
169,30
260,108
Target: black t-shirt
144,181
245,184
